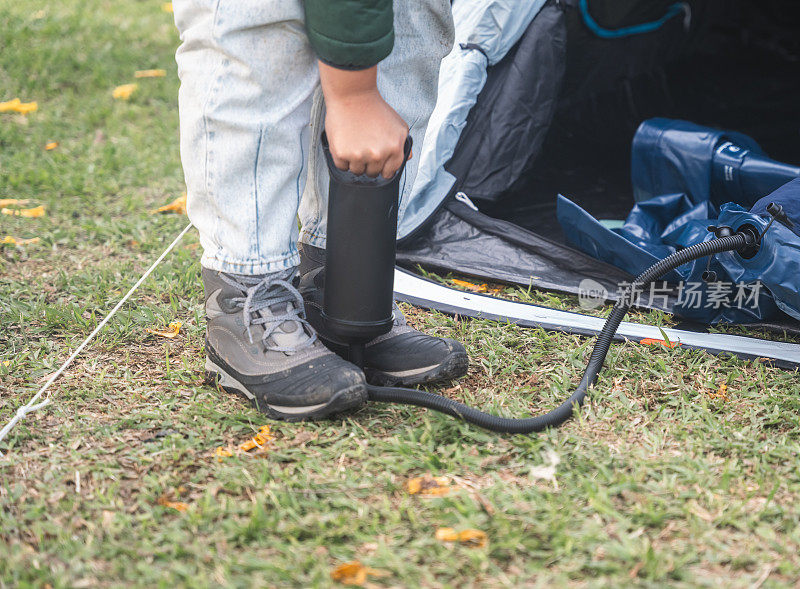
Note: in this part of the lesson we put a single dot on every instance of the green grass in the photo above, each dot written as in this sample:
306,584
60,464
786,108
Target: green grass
661,480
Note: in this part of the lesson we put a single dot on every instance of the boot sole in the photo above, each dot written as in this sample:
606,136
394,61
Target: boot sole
454,366
346,400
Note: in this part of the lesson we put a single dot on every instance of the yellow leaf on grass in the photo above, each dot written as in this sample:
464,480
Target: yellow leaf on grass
446,535
150,73
167,7
222,453
172,331
124,92
5,362
177,505
428,486
260,440
51,145
17,106
27,107
10,105
649,341
475,538
468,537
355,573
8,240
34,212
470,285
722,392
177,206
4,202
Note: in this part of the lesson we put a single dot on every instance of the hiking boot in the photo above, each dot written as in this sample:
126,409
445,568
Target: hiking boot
259,344
401,357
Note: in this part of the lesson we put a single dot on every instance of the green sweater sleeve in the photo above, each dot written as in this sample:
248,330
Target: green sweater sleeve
350,34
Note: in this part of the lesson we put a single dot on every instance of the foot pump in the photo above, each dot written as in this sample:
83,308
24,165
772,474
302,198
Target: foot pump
359,279
360,255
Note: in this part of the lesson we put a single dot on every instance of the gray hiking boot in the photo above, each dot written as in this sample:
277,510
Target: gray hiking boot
259,344
402,357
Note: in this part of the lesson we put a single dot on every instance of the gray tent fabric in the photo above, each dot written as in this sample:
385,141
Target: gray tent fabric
463,240
485,31
515,110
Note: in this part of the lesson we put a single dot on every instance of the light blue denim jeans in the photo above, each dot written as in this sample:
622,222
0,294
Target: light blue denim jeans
251,113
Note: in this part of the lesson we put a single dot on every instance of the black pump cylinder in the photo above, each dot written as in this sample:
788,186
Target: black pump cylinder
360,252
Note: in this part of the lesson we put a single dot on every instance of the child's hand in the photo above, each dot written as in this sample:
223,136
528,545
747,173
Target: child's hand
365,134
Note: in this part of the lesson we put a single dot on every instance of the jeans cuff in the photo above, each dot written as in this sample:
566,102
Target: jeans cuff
314,238
251,267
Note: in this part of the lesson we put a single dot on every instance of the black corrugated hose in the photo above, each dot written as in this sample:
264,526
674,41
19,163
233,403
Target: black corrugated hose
560,414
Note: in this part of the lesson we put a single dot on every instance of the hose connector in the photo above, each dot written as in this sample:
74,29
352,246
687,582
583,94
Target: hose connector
748,249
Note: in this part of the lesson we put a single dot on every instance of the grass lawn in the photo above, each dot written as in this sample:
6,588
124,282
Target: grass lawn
666,477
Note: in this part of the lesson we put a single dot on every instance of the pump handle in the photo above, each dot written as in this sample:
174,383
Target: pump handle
348,177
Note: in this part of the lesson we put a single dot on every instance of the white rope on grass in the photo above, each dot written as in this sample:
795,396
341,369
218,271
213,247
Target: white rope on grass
33,404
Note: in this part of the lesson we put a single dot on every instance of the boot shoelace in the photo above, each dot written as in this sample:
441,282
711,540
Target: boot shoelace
262,294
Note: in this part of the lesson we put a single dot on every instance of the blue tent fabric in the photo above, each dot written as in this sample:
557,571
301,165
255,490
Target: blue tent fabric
678,170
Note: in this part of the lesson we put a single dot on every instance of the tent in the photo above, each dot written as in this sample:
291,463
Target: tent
544,98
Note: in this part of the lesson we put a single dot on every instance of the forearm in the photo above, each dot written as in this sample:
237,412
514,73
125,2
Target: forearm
340,85
366,136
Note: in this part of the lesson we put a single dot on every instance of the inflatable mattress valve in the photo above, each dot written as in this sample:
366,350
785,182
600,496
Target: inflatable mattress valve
778,214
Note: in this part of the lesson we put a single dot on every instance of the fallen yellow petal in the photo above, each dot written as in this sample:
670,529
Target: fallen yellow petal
722,392
222,453
177,206
5,362
470,285
177,505
51,145
446,535
4,202
171,332
10,105
428,486
260,440
473,538
8,240
27,108
469,537
355,573
16,105
150,73
34,212
167,7
649,341
124,92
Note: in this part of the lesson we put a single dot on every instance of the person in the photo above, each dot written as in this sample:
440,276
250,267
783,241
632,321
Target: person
260,79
